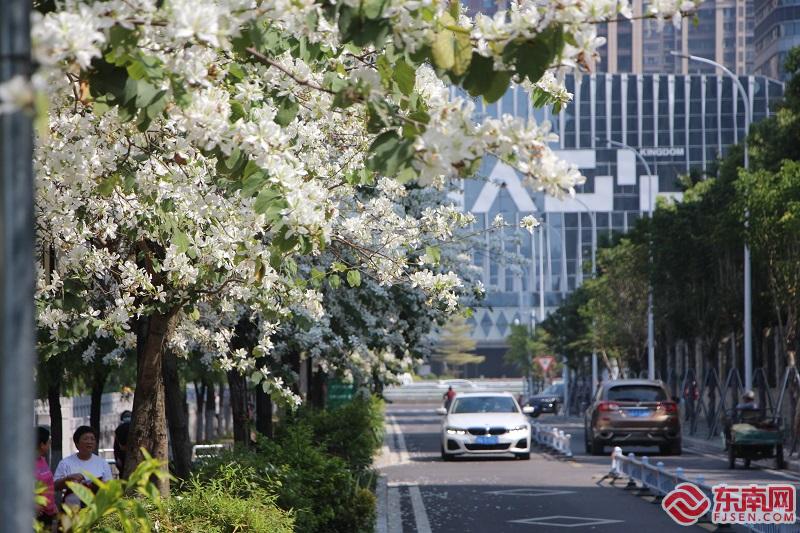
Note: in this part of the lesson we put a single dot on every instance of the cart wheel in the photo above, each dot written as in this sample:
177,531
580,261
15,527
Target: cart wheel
780,461
747,463
731,458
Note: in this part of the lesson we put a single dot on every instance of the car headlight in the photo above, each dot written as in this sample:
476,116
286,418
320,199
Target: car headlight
456,431
518,428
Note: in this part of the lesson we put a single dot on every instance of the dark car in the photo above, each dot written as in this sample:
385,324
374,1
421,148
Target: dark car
632,412
547,401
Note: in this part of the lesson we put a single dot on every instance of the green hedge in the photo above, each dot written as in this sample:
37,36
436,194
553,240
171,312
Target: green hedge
318,466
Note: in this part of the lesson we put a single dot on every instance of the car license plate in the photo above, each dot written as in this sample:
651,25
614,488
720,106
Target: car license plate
638,412
486,439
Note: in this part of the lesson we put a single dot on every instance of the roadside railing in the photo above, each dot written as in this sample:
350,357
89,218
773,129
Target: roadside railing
659,482
552,437
424,391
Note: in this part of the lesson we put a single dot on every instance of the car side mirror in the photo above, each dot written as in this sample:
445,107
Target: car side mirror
441,411
527,409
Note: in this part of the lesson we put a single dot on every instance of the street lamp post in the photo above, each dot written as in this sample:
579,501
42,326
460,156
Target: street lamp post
651,352
592,215
748,118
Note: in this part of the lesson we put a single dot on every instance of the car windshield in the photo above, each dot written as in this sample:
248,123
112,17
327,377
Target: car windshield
484,404
637,393
554,390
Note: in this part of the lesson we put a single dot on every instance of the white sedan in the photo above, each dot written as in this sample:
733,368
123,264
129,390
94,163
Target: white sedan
481,423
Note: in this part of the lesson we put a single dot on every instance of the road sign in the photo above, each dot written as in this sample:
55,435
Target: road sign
544,361
339,393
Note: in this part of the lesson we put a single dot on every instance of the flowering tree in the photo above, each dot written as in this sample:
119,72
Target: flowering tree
193,152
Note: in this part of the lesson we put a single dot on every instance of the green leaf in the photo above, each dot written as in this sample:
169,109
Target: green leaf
462,47
287,110
390,153
406,175
270,203
194,314
334,281
338,267
405,76
354,278
442,50
434,253
107,186
253,183
181,241
317,277
372,9
498,87
532,58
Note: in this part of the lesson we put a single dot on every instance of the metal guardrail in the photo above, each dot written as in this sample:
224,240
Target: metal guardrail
421,390
659,481
552,438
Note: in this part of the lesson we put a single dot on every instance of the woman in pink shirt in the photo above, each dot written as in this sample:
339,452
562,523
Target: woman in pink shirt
46,514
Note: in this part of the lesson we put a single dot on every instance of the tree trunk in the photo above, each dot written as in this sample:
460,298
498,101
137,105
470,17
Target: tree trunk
177,418
56,421
210,412
149,425
237,384
263,412
200,397
317,387
99,376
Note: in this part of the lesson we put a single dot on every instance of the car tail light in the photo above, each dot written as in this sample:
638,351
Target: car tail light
607,406
669,407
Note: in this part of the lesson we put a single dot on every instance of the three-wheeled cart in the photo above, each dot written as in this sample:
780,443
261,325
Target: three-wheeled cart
754,436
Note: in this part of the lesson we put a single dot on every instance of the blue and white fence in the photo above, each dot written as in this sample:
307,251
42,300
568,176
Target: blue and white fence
660,482
552,438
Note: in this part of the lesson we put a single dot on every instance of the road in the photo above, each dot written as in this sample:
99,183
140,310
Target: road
544,494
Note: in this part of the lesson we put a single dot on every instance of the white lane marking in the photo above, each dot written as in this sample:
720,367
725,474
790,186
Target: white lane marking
420,516
765,469
402,454
565,521
395,517
529,492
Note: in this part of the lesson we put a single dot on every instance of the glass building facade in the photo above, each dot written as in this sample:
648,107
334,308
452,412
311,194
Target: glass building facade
777,30
677,123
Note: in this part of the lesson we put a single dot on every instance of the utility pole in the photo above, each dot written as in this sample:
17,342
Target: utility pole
17,271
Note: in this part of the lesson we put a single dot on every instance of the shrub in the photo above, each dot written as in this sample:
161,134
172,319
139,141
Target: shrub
353,431
233,498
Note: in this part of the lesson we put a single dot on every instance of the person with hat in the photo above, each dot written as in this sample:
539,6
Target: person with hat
748,402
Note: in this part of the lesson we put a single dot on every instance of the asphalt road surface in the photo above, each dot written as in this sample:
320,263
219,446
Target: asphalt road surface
544,494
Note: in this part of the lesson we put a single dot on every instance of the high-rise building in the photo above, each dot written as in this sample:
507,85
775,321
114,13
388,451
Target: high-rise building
722,31
777,30
678,123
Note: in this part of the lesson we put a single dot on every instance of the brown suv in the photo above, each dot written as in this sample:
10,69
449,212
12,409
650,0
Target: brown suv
635,412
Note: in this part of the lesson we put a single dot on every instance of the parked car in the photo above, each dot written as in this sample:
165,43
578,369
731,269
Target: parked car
635,412
481,423
549,400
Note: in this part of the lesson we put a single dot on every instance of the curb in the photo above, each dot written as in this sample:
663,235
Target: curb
707,446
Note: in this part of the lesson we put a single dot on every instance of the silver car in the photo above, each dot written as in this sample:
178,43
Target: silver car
483,423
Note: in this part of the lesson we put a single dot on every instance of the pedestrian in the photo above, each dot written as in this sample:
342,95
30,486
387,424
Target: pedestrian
121,441
448,397
78,466
47,513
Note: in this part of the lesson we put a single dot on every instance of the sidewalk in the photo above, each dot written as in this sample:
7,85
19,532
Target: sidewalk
714,446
